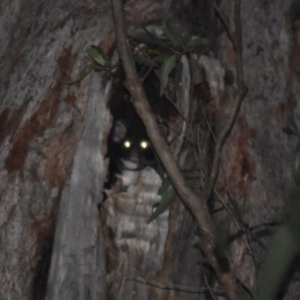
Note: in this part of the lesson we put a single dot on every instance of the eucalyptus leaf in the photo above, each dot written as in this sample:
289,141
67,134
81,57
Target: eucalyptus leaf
167,191
83,73
282,252
166,200
175,35
150,41
145,61
197,44
159,59
244,293
160,171
99,69
171,38
165,69
97,55
184,39
153,34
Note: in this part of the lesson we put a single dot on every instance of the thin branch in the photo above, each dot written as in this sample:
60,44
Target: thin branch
221,141
238,38
224,20
234,219
196,205
211,291
184,95
241,93
176,287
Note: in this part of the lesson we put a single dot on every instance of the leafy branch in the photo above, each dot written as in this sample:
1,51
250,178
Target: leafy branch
195,203
99,63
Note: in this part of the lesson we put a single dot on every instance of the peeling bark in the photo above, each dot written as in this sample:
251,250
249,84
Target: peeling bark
52,148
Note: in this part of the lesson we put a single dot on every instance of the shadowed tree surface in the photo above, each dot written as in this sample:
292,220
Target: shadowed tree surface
54,242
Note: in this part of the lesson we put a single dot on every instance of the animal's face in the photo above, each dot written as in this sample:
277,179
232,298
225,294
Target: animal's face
133,143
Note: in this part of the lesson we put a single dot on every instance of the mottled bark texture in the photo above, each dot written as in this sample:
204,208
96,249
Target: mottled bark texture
258,159
52,149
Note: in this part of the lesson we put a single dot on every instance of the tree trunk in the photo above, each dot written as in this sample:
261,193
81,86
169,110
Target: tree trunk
54,242
52,146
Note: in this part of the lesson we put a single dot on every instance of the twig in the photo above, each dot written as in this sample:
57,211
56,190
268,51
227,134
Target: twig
234,219
211,291
196,205
238,38
241,93
176,287
224,19
184,95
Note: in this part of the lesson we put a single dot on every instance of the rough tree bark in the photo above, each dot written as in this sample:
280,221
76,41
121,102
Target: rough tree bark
52,149
52,141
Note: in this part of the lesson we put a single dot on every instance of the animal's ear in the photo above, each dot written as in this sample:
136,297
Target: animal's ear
164,130
119,131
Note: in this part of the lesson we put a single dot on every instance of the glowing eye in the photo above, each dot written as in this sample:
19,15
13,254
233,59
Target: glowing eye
127,144
144,144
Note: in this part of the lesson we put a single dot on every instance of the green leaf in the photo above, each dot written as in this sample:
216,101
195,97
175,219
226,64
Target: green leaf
165,69
197,44
168,195
145,61
97,55
160,170
282,251
84,72
176,37
99,69
166,192
159,58
170,37
148,40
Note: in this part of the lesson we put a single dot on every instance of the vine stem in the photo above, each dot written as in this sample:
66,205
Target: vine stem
195,203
